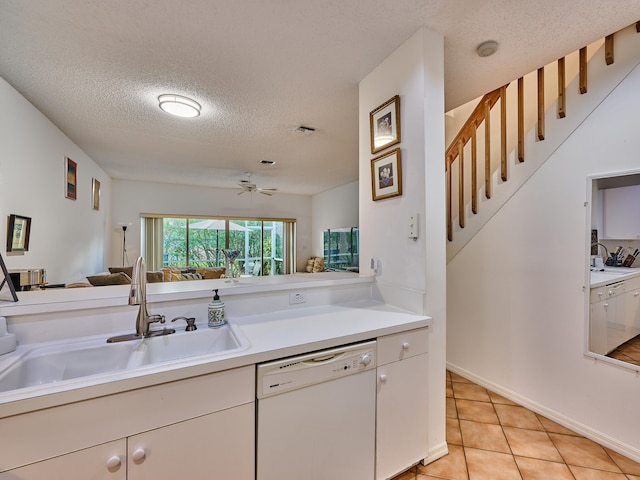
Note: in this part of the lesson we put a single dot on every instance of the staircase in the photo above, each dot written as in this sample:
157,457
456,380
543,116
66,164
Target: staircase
508,134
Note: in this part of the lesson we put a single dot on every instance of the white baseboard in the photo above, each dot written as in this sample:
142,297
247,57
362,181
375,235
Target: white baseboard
584,430
435,453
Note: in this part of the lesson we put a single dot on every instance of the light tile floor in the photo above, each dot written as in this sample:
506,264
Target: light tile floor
628,352
492,438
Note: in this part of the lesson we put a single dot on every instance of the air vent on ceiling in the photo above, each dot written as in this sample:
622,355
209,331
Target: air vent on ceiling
305,130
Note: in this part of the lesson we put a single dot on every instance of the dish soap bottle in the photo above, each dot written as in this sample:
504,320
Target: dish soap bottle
216,311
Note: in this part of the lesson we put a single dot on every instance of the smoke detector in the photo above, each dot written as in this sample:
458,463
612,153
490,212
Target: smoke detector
488,48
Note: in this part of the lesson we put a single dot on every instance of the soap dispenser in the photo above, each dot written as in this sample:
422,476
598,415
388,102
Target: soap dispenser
216,311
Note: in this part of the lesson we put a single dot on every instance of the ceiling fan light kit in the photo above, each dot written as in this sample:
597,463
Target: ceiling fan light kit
246,186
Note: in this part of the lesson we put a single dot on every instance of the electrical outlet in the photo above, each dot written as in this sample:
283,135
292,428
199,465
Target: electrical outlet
297,298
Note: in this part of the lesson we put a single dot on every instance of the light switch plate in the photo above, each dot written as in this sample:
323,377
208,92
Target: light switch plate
413,226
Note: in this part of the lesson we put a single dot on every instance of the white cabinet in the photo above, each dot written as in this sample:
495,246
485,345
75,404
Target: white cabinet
196,428
401,427
598,324
632,308
614,316
103,462
620,217
218,446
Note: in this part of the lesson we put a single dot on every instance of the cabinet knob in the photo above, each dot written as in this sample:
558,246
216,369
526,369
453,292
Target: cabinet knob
139,455
114,463
383,377
405,346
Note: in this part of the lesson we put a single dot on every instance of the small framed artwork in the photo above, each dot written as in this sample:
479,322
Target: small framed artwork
386,175
384,124
95,189
71,169
18,232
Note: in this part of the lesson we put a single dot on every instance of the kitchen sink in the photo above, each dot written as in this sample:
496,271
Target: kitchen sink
62,361
53,362
210,341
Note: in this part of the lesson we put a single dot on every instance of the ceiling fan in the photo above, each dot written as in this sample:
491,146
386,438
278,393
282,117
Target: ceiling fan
247,186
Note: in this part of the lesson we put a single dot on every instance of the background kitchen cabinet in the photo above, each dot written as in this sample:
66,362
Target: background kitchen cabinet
620,215
401,431
614,315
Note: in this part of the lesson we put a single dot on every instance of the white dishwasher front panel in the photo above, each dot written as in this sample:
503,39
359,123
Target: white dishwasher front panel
316,416
321,432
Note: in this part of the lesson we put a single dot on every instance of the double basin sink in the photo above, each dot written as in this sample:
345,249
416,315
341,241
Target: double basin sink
42,364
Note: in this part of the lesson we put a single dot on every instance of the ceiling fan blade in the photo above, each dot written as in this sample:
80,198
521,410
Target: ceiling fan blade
265,193
240,193
268,189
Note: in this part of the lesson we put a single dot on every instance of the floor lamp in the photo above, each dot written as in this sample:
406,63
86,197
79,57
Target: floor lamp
124,243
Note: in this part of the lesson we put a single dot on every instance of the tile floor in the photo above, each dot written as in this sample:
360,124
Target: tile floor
628,352
492,438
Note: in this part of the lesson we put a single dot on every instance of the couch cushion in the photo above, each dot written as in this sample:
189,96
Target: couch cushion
211,272
127,270
119,278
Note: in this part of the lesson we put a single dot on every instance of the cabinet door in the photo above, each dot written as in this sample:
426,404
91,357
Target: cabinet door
401,432
615,315
598,327
218,446
632,313
620,222
103,462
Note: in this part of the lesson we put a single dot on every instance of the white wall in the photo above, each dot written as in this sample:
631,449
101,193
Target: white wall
68,238
412,272
516,298
131,199
334,208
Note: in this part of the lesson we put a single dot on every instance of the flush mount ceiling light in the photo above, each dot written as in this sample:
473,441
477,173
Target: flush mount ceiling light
179,105
486,49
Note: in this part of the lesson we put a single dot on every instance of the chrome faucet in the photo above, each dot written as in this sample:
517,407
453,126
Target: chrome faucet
138,296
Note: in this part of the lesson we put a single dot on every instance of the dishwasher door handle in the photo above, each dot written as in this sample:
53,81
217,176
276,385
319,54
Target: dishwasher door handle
324,358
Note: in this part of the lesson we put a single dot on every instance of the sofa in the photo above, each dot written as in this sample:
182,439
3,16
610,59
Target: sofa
122,276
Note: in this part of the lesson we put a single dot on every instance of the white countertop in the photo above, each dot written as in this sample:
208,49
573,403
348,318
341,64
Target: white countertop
612,275
272,335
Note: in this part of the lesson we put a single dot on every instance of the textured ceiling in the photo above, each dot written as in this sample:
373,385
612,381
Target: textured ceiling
259,68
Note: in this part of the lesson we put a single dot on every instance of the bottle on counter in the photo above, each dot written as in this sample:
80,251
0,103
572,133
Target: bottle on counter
216,311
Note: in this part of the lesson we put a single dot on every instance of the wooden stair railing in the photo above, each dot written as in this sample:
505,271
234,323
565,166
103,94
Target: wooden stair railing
482,113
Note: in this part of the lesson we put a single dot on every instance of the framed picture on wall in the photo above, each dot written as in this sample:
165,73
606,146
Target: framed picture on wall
386,175
384,125
95,189
71,178
18,233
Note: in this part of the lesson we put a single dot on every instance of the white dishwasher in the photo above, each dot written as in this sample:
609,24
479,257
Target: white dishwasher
316,415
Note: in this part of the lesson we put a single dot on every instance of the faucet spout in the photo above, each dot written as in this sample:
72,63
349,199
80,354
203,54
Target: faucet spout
138,296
